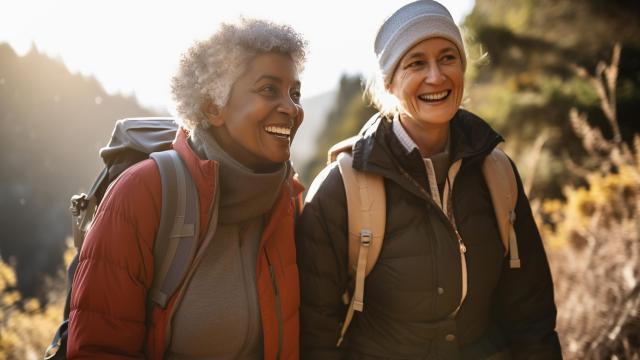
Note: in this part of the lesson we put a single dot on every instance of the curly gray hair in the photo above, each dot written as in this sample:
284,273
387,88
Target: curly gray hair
209,68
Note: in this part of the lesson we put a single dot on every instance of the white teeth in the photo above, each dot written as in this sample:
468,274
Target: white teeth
278,130
434,97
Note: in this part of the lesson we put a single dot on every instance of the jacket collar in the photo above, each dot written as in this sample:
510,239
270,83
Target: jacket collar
379,150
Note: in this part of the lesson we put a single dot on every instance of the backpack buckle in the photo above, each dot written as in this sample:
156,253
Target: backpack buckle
52,350
365,237
79,203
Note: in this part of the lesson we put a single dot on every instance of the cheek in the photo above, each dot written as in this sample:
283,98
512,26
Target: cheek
247,118
247,111
459,90
300,117
457,77
406,86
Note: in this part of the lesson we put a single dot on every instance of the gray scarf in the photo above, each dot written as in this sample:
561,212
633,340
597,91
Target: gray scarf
244,194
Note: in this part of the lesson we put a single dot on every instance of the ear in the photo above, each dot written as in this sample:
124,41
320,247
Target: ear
213,113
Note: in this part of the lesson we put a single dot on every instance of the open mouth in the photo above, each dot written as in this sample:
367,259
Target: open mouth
435,97
280,132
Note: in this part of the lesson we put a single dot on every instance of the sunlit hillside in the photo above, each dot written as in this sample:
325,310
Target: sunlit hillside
527,83
52,124
304,145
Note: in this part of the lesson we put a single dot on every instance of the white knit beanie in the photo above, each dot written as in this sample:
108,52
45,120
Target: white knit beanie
408,26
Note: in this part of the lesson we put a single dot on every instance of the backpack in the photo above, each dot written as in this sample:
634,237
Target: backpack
366,208
132,141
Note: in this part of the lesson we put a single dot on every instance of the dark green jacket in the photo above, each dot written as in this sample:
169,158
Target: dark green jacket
417,283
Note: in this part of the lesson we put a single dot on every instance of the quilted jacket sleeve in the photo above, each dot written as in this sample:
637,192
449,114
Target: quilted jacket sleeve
322,259
525,304
115,270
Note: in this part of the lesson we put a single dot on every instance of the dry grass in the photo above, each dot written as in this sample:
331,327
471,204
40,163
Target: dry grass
25,328
593,238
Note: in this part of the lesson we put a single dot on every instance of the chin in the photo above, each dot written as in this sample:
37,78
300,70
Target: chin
284,159
440,117
281,156
436,120
279,160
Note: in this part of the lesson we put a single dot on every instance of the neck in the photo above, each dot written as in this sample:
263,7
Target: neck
244,193
238,153
430,139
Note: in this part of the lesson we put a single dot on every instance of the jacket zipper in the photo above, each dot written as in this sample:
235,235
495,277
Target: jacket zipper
278,304
454,170
425,194
454,230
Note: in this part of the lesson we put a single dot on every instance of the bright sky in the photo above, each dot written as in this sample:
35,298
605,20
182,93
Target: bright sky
133,46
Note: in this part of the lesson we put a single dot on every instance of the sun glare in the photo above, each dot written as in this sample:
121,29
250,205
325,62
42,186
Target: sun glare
133,47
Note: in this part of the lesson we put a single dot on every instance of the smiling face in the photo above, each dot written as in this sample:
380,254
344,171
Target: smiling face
262,114
428,83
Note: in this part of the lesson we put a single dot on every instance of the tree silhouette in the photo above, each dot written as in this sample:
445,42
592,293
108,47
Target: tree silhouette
53,123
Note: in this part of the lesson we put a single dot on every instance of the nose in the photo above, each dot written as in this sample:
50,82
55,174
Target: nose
289,107
434,74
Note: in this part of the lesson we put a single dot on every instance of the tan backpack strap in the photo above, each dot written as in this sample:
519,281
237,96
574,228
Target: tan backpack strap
501,180
343,146
366,216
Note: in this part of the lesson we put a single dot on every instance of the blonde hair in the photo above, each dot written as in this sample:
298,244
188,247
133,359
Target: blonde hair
209,68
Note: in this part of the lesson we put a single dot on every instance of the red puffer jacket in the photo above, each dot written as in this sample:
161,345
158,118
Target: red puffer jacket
115,271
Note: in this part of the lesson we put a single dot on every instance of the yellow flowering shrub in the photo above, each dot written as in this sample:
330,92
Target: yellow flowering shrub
26,327
608,200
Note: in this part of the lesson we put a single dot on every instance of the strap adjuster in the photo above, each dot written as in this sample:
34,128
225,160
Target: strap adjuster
79,203
365,237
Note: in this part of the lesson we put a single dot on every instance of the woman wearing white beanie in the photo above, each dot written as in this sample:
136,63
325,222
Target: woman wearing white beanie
441,287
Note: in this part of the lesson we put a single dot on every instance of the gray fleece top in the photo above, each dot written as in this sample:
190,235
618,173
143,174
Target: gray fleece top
219,316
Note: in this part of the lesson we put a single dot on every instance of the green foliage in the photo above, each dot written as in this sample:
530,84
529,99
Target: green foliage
528,86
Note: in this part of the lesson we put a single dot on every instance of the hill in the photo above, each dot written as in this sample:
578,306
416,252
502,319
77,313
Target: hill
52,124
316,109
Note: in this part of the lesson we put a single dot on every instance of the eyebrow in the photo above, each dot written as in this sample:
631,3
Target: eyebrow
421,54
449,49
274,78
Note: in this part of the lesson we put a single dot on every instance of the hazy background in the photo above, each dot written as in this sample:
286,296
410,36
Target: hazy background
133,47
69,69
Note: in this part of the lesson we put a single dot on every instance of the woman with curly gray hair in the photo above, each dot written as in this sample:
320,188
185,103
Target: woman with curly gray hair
238,100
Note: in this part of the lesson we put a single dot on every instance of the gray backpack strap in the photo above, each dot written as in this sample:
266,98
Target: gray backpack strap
177,237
